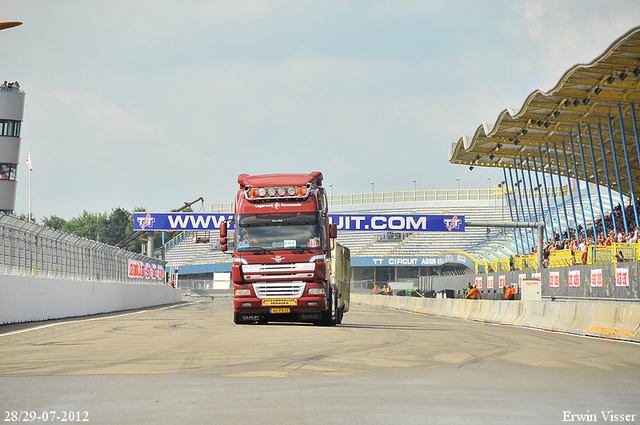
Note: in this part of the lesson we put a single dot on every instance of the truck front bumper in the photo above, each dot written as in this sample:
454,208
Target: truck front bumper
270,305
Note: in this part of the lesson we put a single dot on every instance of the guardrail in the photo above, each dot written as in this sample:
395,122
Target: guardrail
436,195
615,280
612,320
566,257
29,249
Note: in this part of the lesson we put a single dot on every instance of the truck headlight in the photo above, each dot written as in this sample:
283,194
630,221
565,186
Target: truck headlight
316,291
243,292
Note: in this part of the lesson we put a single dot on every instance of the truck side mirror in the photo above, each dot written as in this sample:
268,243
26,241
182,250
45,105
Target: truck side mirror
223,229
333,230
223,244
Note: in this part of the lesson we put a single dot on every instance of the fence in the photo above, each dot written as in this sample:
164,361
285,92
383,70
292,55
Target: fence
435,195
28,249
566,257
596,281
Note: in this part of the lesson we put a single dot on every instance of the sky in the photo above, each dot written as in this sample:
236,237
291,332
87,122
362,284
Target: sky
140,103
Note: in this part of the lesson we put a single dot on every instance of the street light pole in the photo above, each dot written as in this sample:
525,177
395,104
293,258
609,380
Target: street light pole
372,191
415,190
331,197
502,195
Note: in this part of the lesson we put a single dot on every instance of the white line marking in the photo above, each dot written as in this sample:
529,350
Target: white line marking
83,320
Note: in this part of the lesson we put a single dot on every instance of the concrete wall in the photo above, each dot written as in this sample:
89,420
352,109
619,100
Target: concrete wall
605,319
26,299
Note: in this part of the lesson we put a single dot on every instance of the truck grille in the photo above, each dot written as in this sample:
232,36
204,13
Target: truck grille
279,289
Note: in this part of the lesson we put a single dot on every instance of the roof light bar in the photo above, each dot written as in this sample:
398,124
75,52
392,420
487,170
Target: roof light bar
287,192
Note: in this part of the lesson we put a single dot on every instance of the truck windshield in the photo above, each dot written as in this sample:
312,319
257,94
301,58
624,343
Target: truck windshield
277,231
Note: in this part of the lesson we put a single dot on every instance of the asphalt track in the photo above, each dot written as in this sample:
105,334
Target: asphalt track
189,364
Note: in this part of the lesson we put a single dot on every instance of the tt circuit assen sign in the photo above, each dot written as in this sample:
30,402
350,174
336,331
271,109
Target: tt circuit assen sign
345,222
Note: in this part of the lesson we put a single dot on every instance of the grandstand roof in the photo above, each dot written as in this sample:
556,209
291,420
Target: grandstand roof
9,24
587,101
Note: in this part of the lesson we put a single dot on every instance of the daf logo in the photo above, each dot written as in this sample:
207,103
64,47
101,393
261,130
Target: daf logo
146,221
453,223
278,258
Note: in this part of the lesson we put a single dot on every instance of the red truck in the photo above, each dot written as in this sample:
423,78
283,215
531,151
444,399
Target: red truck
282,247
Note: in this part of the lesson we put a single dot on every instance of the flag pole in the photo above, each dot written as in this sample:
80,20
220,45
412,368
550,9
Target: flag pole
30,169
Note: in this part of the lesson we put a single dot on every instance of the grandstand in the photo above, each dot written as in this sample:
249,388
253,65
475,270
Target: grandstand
438,252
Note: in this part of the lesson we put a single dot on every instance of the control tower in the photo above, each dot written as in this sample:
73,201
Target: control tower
11,111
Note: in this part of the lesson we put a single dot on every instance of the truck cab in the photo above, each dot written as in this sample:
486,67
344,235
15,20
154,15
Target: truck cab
282,249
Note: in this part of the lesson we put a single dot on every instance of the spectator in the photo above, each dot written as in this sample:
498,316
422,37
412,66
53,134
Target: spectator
509,292
473,293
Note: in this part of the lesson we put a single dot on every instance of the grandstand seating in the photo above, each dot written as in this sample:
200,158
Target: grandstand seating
475,242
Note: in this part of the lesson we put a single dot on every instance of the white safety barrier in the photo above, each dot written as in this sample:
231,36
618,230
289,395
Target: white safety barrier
28,299
605,319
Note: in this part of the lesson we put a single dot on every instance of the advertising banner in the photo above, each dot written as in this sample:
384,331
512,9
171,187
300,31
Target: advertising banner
574,278
521,278
413,261
345,222
479,282
489,282
554,279
141,270
596,277
179,221
622,277
400,223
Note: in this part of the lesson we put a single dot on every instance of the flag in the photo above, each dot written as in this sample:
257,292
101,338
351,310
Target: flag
29,161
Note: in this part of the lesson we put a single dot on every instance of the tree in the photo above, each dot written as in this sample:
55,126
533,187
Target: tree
88,225
116,226
55,222
106,228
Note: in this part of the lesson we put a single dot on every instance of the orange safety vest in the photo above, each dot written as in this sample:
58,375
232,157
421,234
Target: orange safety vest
474,293
509,293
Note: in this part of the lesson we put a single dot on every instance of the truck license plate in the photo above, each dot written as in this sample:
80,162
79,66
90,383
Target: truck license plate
280,301
280,310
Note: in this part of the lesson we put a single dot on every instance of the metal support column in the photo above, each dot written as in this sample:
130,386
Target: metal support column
573,205
510,211
553,188
626,158
564,203
515,166
606,173
586,182
635,134
597,180
526,198
539,186
615,165
515,206
546,194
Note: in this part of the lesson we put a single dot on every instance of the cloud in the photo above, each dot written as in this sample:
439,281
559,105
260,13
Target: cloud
106,118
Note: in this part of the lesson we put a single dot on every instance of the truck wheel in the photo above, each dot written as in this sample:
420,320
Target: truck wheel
339,314
329,316
334,316
236,318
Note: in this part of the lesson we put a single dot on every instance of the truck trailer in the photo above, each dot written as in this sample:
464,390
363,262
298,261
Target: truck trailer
282,251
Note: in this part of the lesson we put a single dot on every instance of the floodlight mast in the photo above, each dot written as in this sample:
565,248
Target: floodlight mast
516,225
